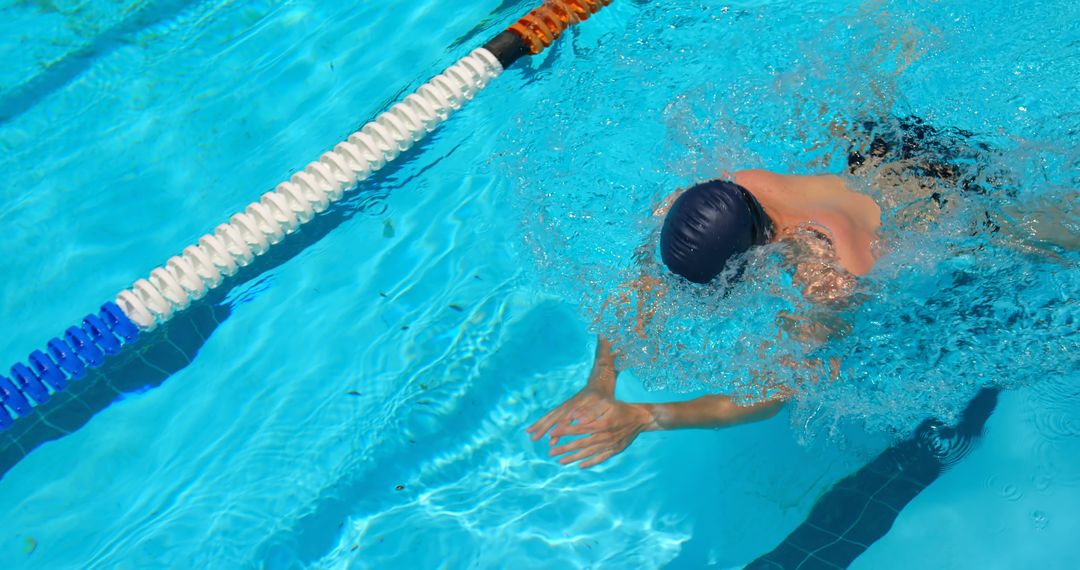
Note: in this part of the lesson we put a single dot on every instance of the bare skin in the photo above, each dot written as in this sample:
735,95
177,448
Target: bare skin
847,223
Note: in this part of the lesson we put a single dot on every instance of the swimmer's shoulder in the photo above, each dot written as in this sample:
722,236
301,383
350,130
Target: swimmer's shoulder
849,218
820,191
851,241
853,219
755,179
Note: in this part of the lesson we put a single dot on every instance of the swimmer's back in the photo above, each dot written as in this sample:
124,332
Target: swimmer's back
850,219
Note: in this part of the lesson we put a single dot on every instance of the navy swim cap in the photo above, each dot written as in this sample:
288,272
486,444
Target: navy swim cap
709,224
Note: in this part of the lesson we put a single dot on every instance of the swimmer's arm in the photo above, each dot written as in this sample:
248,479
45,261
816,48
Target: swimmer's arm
708,412
604,373
1042,229
704,412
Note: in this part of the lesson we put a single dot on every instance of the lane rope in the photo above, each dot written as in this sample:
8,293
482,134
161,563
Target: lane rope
206,264
203,266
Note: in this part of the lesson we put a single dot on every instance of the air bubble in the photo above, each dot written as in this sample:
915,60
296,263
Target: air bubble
1039,520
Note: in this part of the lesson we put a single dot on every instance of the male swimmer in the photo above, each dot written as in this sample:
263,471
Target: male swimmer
705,227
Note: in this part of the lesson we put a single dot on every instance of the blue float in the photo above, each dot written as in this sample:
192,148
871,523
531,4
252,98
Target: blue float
12,397
48,371
101,335
87,350
83,347
29,383
119,323
65,356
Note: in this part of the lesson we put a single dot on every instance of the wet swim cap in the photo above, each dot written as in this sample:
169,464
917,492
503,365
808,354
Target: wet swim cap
709,224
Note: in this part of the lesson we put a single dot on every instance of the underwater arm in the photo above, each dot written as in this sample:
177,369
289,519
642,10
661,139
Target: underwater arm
613,431
604,373
709,411
1046,230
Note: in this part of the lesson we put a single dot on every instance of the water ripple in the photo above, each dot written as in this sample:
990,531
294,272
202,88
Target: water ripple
1005,489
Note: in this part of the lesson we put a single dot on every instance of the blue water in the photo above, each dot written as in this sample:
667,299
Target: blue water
361,402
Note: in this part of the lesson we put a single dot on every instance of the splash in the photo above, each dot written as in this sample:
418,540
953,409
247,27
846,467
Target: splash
967,291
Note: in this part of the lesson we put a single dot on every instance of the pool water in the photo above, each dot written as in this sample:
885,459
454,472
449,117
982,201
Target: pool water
359,399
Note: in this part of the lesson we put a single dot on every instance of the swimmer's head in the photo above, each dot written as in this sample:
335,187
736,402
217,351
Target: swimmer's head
708,225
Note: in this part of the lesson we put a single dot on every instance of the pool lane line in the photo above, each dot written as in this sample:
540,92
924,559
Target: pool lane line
57,74
861,508
250,233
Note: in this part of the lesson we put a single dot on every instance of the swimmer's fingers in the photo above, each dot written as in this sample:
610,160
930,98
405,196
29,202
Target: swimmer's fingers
597,459
550,420
582,443
540,428
590,412
574,429
559,419
582,454
571,429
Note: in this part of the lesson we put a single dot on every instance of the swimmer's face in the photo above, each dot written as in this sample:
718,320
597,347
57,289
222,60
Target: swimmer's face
708,225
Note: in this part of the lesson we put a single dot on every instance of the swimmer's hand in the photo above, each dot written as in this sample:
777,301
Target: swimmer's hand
590,404
609,426
593,401
606,436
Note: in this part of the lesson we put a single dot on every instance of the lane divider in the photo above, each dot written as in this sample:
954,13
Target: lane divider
280,212
205,265
65,359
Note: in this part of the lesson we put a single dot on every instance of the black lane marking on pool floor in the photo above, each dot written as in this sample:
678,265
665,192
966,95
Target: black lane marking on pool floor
861,508
60,73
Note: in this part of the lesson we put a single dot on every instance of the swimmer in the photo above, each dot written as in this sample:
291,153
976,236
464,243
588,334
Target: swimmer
704,228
